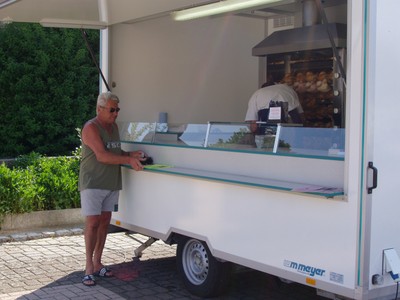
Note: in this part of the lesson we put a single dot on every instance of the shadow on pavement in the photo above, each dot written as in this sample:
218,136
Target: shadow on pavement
158,278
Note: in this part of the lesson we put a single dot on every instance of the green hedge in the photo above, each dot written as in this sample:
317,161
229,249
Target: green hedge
35,183
48,87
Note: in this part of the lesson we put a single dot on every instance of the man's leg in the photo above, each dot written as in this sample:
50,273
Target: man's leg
102,231
91,236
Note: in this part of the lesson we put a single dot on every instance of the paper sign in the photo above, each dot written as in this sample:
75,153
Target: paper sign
275,113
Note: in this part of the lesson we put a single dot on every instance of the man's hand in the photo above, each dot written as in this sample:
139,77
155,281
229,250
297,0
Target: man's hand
135,164
253,126
140,155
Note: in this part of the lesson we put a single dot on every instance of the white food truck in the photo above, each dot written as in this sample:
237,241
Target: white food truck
315,204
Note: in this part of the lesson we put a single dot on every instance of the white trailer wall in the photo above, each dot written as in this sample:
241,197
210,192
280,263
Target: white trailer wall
382,140
192,70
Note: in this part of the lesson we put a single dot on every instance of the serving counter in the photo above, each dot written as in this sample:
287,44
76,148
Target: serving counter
290,158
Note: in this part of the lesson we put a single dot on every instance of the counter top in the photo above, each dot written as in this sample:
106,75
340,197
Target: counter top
293,187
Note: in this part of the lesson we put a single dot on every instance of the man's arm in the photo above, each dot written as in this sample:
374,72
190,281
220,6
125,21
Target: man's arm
253,125
91,137
140,155
296,117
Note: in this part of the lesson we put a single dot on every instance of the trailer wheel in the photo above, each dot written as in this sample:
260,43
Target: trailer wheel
201,273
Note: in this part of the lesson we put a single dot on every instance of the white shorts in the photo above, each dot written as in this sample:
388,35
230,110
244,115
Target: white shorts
95,201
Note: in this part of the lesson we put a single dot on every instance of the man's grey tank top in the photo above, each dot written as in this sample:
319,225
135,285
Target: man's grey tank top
96,175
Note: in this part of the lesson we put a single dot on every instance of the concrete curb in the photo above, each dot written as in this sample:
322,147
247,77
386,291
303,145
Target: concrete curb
42,219
6,237
41,224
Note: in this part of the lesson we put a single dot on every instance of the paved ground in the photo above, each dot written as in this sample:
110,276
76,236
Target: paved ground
49,265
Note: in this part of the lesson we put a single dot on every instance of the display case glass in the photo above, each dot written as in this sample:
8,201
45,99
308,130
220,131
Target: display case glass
280,139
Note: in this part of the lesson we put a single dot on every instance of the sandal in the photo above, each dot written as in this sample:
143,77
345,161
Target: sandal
88,280
104,272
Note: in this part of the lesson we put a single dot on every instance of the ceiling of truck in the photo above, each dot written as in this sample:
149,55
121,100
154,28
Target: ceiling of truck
109,12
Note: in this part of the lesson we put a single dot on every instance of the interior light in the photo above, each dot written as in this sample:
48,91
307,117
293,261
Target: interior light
62,23
4,3
218,8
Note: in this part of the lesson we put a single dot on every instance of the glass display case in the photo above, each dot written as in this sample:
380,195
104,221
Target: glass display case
279,139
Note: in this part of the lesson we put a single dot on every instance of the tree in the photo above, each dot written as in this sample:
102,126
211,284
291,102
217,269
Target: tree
48,88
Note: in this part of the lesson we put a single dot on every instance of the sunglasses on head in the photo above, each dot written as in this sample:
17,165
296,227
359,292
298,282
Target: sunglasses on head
112,109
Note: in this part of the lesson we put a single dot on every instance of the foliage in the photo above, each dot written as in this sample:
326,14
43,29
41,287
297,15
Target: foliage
238,137
48,87
24,161
37,183
138,131
78,150
242,137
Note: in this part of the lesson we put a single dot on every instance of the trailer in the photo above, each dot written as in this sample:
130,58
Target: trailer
315,204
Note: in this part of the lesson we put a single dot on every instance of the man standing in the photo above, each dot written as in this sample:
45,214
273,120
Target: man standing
100,180
262,101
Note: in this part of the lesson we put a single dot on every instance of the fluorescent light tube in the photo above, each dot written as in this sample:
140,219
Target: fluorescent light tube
218,8
4,3
62,23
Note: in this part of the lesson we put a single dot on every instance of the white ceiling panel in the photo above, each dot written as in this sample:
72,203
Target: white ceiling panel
110,11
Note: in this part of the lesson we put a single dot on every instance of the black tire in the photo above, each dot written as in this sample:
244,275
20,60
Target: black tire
201,273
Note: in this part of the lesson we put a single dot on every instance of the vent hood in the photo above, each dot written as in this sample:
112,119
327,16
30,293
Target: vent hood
303,38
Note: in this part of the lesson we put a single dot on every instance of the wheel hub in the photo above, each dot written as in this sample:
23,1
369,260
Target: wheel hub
195,262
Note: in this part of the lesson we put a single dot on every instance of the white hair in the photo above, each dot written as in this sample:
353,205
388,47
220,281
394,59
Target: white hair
103,98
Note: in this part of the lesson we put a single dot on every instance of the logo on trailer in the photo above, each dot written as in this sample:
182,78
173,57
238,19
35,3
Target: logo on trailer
304,269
